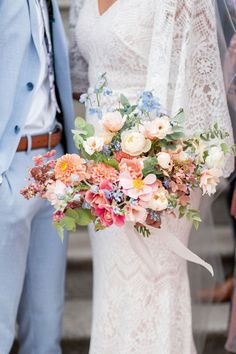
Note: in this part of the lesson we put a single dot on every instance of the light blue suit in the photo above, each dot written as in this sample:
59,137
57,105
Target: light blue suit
32,258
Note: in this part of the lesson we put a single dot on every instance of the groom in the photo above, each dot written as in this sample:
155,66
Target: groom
36,115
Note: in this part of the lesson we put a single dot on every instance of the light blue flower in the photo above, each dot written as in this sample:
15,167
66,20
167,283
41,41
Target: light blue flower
77,198
118,196
60,196
148,103
84,99
154,215
95,111
95,189
86,205
74,178
107,91
69,190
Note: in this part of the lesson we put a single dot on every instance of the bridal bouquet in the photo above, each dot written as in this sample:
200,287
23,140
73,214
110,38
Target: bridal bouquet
138,167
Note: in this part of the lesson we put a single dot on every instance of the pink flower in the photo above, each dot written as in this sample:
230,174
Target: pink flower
133,167
118,218
209,180
136,213
98,198
138,188
119,155
105,215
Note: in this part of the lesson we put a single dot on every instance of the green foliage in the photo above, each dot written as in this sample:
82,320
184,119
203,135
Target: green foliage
214,132
142,230
82,217
194,216
150,166
60,230
82,131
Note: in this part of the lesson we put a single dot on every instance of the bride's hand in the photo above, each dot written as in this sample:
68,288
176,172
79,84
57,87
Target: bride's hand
233,203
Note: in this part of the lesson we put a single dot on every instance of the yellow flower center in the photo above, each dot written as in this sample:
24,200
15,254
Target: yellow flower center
138,184
64,166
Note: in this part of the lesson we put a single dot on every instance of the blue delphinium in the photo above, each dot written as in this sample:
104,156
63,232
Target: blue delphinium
116,145
84,99
118,196
108,194
106,150
154,215
74,177
148,103
77,198
95,111
106,91
95,189
166,184
86,205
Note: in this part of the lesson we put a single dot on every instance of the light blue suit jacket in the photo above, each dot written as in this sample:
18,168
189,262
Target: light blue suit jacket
19,71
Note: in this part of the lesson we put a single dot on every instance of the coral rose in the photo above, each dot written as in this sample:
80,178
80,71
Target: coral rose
70,165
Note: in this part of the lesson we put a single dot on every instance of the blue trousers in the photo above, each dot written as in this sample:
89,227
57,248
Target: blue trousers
32,266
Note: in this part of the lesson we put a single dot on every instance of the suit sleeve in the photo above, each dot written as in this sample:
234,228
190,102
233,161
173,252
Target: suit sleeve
78,65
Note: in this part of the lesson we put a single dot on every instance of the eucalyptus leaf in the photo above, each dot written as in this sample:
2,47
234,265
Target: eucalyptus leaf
80,123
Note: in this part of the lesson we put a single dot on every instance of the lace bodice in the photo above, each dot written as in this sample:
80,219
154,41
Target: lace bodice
169,46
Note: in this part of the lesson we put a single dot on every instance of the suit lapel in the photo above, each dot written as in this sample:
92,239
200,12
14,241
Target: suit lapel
34,23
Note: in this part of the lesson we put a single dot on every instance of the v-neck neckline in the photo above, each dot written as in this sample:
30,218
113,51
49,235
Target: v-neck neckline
107,10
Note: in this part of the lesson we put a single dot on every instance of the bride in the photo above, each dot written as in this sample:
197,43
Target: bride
142,299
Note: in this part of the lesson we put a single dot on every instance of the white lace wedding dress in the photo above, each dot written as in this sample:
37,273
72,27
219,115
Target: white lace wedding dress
141,299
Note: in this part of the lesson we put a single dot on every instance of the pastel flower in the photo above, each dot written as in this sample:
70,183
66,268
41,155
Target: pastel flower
134,143
133,167
119,155
105,215
118,217
215,157
99,172
68,165
54,194
113,121
107,137
158,200
157,128
136,213
164,160
209,180
93,144
97,197
137,188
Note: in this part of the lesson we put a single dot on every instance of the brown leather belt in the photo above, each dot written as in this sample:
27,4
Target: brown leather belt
49,141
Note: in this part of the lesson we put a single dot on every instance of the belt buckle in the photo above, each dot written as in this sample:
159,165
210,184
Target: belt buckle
50,140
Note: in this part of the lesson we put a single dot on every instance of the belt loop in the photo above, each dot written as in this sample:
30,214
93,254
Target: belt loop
50,140
29,143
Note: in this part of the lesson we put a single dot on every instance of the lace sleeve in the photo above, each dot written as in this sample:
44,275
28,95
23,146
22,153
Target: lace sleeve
185,67
79,67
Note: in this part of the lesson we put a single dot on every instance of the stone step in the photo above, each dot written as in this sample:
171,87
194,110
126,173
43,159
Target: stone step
77,327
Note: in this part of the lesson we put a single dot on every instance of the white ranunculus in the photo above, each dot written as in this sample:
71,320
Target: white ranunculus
113,121
164,160
93,144
157,128
215,157
134,143
159,200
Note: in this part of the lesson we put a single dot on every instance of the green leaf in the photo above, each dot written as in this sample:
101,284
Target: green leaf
84,217
124,100
80,123
68,223
60,230
175,136
179,117
224,148
89,130
142,230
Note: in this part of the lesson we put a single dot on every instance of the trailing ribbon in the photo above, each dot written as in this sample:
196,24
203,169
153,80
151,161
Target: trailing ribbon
171,242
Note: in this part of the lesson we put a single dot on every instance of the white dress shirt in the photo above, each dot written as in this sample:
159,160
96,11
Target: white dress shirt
41,116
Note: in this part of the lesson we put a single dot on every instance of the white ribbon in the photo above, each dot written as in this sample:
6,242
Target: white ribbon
171,242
